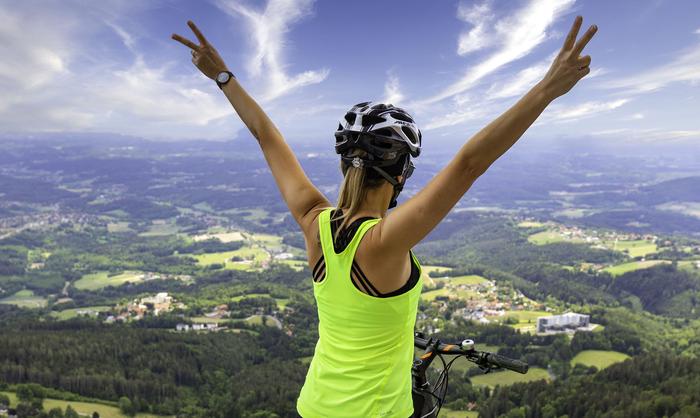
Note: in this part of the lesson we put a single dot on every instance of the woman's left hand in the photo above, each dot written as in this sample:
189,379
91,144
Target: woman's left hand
204,56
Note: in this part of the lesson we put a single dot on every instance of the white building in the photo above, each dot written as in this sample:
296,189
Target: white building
568,320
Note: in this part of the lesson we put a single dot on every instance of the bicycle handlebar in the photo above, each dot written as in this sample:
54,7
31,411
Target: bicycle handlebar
466,348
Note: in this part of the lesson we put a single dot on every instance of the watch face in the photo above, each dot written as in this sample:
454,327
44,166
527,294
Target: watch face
222,77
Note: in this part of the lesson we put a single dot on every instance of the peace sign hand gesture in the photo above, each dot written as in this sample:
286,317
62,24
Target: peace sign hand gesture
568,67
204,56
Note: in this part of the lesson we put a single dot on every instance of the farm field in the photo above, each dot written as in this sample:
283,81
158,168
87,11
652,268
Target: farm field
509,377
297,265
548,237
83,408
471,280
636,248
598,358
253,256
430,269
430,295
25,299
72,313
530,224
95,281
634,265
223,237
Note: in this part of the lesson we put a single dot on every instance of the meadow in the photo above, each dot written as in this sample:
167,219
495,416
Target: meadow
99,280
508,377
598,358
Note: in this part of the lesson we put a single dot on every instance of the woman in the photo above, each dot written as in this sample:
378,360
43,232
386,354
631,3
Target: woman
367,281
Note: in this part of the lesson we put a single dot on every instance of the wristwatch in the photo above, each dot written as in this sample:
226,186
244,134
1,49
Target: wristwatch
223,78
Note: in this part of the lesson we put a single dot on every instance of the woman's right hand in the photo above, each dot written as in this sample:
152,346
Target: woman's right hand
568,67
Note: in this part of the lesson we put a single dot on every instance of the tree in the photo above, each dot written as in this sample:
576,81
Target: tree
56,413
4,400
126,406
71,413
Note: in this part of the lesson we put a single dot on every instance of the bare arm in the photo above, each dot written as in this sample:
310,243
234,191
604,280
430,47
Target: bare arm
297,190
410,222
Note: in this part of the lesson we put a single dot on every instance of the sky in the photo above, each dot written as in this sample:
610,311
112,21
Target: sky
110,66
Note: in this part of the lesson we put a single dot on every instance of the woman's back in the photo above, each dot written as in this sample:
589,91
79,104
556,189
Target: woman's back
362,360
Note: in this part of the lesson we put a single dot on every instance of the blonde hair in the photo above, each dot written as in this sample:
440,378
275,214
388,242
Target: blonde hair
353,190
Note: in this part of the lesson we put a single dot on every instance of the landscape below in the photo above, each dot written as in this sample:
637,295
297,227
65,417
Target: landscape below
134,280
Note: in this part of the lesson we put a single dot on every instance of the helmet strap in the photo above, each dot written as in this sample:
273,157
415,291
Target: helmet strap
397,186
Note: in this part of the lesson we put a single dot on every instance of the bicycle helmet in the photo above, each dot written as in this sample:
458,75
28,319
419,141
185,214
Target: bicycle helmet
389,136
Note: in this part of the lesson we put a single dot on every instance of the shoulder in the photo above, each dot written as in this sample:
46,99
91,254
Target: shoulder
309,222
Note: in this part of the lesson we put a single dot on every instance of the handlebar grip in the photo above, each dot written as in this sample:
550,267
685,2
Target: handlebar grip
508,363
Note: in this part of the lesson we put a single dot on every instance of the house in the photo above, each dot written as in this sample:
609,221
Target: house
563,322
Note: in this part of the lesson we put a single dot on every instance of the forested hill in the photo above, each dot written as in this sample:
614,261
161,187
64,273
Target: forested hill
648,386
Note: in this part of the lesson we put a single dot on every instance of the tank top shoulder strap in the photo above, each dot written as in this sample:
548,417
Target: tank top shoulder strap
326,236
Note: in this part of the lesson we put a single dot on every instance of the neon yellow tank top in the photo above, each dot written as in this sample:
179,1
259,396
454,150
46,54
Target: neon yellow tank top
362,362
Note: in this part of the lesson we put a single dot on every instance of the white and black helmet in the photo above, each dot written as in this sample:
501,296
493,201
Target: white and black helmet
387,133
392,127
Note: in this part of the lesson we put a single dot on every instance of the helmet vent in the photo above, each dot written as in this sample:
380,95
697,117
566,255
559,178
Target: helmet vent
384,132
350,117
368,120
409,134
401,116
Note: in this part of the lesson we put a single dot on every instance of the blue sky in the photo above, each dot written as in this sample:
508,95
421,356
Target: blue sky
110,66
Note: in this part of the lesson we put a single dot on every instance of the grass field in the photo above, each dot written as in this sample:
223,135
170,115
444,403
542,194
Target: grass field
636,248
599,358
223,237
527,320
430,295
72,313
253,256
529,224
25,299
160,227
634,265
83,408
471,280
688,265
548,237
297,265
508,377
118,227
102,279
439,269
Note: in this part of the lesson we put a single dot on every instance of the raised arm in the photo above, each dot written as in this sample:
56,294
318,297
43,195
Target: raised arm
410,222
296,188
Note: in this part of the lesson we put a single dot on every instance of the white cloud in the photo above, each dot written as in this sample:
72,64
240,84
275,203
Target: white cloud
479,15
521,82
518,35
392,90
697,31
683,68
561,114
654,134
53,78
269,28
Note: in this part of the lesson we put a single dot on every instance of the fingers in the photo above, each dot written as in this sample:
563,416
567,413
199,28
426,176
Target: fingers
197,32
584,61
584,40
571,37
185,42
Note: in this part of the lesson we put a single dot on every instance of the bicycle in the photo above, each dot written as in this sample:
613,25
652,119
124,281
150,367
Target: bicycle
423,405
